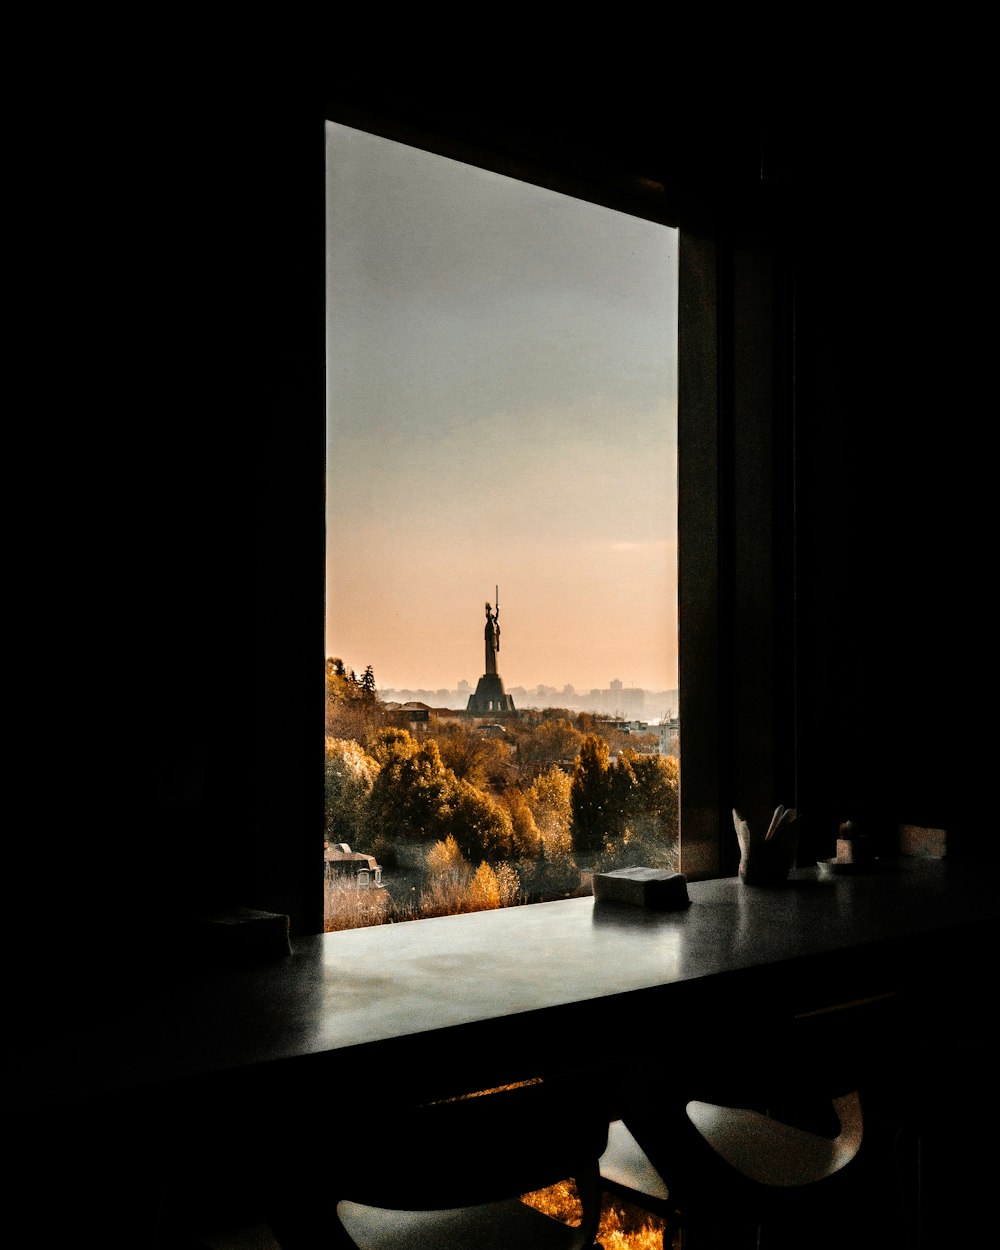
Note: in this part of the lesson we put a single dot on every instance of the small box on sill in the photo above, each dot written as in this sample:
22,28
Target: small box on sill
657,889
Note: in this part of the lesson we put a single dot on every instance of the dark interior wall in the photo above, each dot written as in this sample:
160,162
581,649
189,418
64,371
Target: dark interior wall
169,731
893,519
170,748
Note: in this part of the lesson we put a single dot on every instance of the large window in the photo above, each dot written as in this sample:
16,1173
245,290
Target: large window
544,390
502,575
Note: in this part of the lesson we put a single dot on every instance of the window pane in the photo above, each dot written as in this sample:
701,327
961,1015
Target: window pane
501,620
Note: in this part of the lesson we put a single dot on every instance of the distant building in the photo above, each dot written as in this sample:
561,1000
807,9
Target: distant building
412,716
670,737
340,862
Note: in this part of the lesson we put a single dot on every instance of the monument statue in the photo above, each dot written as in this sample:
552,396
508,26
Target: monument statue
492,638
490,697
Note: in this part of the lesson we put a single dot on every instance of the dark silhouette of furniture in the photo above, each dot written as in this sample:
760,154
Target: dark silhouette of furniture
453,1173
785,1151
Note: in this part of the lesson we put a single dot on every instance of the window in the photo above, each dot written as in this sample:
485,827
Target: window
450,449
501,420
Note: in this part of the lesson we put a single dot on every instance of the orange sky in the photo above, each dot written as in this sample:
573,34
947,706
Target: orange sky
501,409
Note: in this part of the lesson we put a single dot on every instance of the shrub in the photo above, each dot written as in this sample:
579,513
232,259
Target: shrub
445,857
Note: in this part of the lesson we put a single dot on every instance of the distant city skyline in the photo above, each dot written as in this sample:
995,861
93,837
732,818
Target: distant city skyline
463,685
501,392
627,701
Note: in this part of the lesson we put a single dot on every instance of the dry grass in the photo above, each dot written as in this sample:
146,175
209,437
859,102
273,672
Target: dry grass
451,893
348,907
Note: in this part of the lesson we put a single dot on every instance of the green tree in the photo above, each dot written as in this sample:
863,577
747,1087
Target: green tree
552,876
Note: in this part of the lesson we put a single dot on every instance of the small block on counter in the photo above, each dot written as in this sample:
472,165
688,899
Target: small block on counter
657,889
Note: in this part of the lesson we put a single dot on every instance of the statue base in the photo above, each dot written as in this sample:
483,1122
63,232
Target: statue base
490,697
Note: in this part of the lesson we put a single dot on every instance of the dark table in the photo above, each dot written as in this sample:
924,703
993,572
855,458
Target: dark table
495,995
232,1092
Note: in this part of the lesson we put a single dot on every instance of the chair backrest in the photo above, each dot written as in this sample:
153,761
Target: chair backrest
477,1149
813,1118
779,1155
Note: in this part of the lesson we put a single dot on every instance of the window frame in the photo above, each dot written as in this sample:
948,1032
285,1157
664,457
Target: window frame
736,666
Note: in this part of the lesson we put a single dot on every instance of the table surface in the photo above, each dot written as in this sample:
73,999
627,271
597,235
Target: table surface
343,995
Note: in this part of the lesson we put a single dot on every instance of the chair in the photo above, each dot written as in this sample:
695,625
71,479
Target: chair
792,1157
452,1174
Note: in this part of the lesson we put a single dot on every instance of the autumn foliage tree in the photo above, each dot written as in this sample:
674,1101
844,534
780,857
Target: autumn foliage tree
627,806
555,870
550,800
647,798
411,794
554,738
474,756
511,803
353,708
416,798
350,776
591,797
480,824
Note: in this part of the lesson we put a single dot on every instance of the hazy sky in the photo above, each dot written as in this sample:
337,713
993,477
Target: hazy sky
501,388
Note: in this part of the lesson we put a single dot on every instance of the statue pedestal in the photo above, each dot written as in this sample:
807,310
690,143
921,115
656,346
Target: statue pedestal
490,697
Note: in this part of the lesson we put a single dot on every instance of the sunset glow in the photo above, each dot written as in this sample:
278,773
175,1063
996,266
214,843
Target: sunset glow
501,412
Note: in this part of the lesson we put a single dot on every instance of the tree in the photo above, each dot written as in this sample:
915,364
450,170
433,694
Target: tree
473,756
591,797
554,739
653,808
350,777
509,884
392,743
657,785
480,825
526,839
412,795
353,709
549,800
642,814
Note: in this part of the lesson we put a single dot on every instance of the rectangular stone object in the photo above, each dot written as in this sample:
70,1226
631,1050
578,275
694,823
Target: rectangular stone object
657,889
